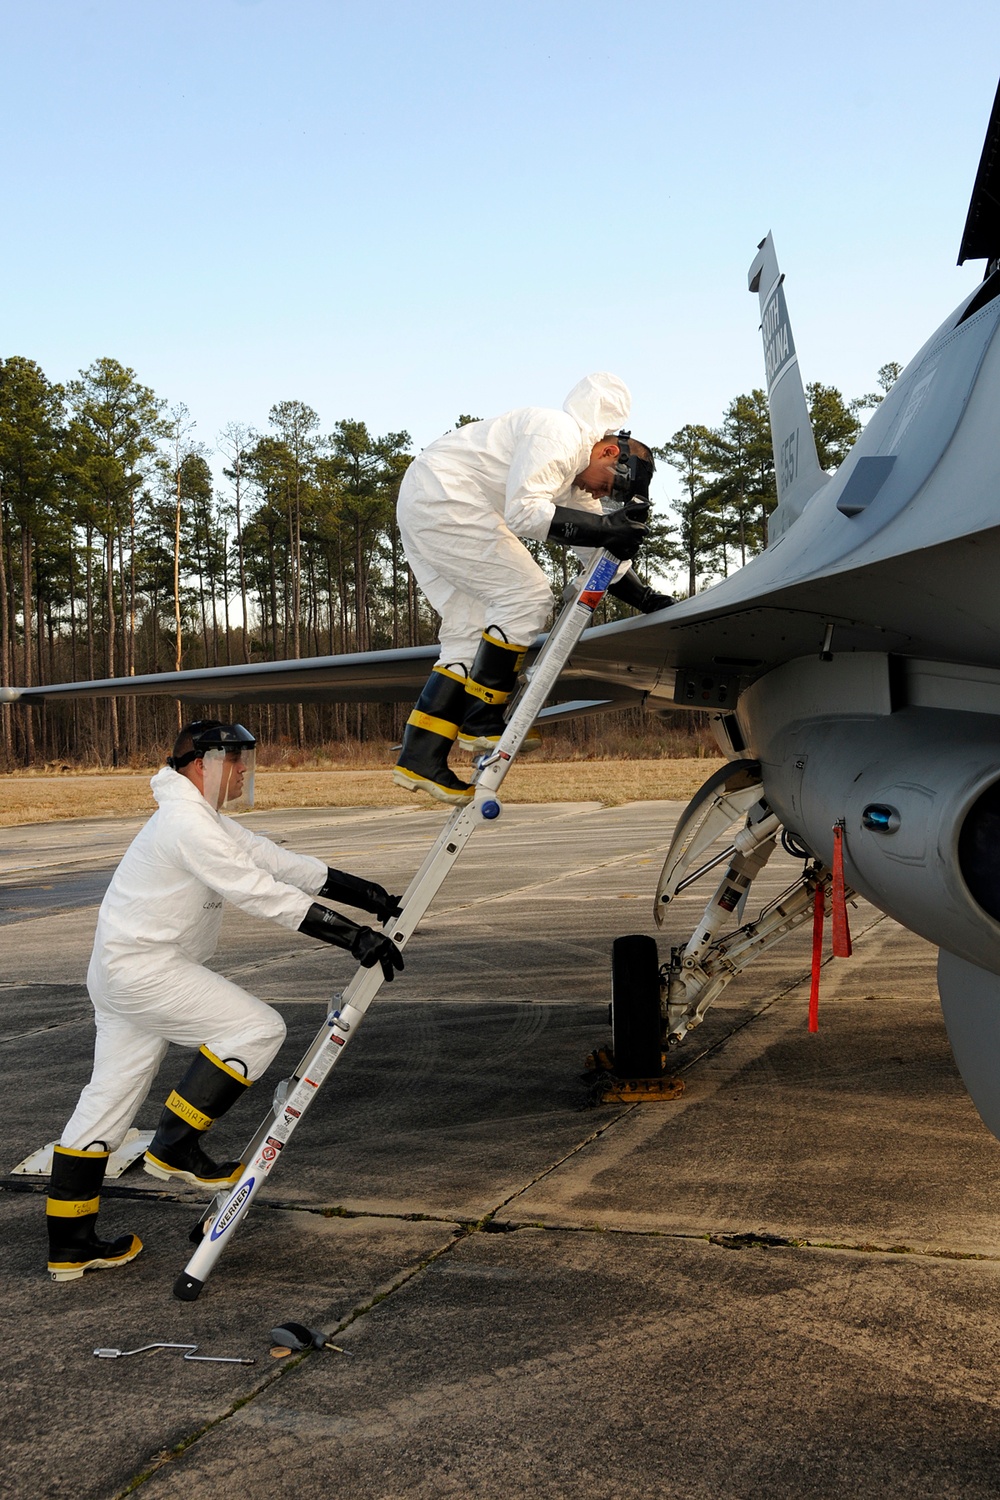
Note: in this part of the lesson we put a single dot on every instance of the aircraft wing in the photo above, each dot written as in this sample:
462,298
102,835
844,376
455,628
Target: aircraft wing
360,677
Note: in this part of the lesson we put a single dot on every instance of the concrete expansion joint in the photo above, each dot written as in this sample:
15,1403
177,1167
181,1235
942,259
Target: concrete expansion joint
726,1239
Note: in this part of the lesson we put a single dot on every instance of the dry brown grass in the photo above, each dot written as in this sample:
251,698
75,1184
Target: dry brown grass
32,797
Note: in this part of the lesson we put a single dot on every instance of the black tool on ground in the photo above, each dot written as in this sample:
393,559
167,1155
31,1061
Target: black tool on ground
298,1336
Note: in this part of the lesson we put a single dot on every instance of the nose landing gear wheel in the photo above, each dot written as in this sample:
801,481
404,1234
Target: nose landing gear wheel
637,1028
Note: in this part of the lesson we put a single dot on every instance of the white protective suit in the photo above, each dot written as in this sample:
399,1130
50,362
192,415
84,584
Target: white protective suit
158,923
470,494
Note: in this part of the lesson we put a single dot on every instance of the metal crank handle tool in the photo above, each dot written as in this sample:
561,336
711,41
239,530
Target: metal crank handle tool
143,1349
219,1359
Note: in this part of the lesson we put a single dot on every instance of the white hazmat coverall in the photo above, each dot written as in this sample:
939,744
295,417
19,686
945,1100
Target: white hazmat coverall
158,923
470,494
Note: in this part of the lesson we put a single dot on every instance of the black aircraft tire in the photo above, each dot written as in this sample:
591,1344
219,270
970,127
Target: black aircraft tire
635,1007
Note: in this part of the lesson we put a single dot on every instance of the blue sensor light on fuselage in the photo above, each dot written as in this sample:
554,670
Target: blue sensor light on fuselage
879,817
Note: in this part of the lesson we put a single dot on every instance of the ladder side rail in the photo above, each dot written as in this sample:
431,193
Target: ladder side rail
563,637
358,996
341,1025
437,864
414,902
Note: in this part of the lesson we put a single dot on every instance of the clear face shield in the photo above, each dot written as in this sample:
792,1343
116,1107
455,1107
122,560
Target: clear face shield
228,784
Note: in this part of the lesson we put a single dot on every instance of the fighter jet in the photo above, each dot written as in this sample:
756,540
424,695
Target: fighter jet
852,670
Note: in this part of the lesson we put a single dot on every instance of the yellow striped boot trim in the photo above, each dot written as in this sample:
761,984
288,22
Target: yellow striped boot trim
188,1112
447,672
488,694
496,640
223,1067
87,1155
442,727
70,1208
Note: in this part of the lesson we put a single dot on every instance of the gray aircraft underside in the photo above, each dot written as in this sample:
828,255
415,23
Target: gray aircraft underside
856,660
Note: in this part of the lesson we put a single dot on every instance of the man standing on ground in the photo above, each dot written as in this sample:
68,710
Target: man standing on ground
158,924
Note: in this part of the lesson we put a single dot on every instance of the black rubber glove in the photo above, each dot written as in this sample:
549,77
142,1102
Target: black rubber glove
363,943
363,893
631,590
371,948
622,532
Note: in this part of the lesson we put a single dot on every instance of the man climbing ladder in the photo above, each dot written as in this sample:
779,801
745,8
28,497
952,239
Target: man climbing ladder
463,504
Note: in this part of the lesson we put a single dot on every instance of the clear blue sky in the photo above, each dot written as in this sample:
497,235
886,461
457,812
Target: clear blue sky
398,211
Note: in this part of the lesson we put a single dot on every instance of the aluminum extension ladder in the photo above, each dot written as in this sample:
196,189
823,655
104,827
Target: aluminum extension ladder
294,1095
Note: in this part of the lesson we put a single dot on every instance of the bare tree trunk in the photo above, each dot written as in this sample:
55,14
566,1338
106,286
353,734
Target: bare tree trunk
26,610
360,593
72,615
272,579
112,626
285,594
91,634
243,578
412,609
6,674
131,714
201,608
225,596
342,708
177,581
214,598
329,598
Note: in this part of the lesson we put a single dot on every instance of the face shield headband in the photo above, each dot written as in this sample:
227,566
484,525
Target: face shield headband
632,474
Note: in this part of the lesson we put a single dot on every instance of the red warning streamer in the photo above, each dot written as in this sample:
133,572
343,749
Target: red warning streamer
841,930
819,908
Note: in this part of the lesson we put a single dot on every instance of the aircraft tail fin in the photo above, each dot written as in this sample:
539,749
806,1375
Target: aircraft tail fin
796,464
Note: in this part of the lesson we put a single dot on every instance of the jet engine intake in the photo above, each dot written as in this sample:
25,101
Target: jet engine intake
918,791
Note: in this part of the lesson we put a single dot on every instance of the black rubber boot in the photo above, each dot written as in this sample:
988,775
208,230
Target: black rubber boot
207,1090
71,1214
429,735
489,686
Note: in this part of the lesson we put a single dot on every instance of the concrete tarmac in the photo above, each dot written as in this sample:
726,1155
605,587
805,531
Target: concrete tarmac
785,1283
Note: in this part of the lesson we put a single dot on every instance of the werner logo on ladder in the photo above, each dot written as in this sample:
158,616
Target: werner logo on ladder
624,532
